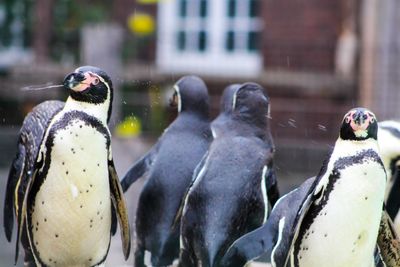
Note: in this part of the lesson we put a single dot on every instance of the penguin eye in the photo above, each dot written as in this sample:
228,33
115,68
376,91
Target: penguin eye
372,120
347,119
96,81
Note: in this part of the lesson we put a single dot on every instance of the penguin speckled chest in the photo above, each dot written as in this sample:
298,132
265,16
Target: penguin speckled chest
343,217
79,182
344,222
68,198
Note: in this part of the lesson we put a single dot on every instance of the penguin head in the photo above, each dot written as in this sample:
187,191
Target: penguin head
90,85
227,98
191,94
251,104
359,124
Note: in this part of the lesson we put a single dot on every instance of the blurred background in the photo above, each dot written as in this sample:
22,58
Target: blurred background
316,59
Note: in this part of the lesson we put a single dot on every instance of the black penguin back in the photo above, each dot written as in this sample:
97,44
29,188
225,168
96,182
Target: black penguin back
224,119
251,106
228,198
179,150
29,141
194,95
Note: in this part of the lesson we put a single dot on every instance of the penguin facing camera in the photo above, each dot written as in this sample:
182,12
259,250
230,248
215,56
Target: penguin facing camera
62,185
338,213
234,185
169,166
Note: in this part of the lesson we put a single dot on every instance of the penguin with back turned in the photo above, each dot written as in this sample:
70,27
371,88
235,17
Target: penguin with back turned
170,164
230,194
337,213
66,199
221,123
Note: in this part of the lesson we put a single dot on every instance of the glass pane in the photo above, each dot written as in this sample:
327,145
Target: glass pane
230,41
231,8
253,41
183,8
181,40
202,41
203,8
254,6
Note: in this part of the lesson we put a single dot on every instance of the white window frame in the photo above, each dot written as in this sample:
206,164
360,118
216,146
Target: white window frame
215,60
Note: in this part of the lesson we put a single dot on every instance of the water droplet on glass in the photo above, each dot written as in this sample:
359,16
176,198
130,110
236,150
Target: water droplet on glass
322,127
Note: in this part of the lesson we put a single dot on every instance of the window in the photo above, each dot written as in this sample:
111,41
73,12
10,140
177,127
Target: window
191,35
209,37
243,26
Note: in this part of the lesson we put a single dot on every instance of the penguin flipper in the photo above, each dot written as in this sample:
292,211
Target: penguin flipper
388,241
268,237
393,201
139,168
14,179
22,214
114,221
118,200
251,245
314,193
272,186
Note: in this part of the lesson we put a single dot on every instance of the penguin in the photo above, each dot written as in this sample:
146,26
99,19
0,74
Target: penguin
235,182
30,137
169,166
389,145
334,218
66,192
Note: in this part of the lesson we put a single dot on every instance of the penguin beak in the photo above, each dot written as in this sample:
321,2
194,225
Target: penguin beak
74,81
360,121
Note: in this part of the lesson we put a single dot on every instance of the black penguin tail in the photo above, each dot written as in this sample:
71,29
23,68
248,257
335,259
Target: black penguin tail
168,250
213,252
14,175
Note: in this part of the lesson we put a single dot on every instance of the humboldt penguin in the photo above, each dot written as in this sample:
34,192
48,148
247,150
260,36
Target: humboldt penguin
169,166
219,124
29,139
234,185
389,145
334,218
63,184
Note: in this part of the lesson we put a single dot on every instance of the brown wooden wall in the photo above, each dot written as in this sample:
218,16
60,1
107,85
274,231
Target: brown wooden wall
301,34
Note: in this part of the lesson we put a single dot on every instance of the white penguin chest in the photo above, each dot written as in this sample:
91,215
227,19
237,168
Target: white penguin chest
72,212
344,231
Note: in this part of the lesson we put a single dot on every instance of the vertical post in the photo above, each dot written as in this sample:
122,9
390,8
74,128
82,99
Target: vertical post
368,51
100,47
43,18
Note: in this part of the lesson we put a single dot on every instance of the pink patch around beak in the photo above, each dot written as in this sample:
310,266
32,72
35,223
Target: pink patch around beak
85,84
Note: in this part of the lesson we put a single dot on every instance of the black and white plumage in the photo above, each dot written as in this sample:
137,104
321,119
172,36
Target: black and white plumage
330,220
389,145
170,164
234,184
63,178
224,122
30,138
